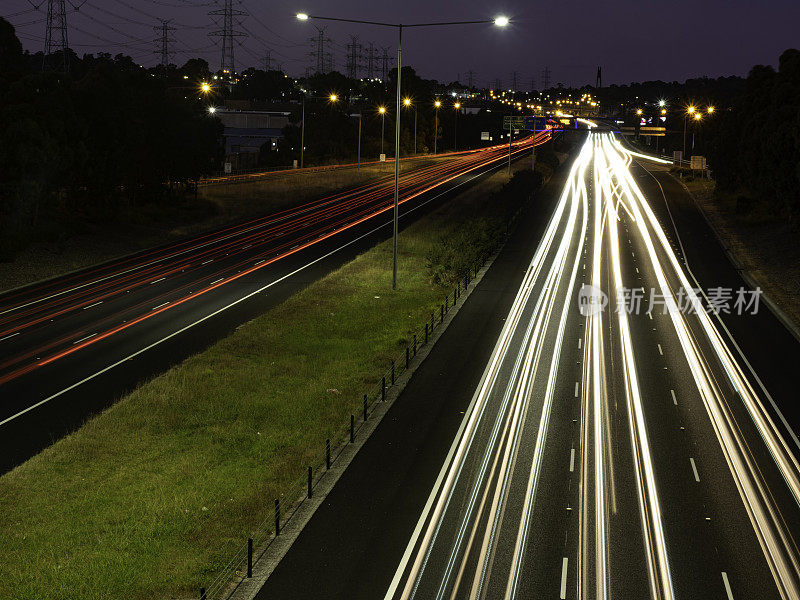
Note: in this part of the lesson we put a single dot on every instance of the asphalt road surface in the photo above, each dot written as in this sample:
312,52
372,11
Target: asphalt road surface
586,428
73,345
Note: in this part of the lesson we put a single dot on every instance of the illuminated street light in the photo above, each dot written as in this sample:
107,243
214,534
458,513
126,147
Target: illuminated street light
333,97
638,111
330,98
710,109
205,87
500,21
698,116
407,101
690,110
212,110
437,104
456,106
662,103
382,111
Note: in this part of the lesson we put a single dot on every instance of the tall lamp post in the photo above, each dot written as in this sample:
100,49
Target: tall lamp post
436,105
382,110
689,111
407,103
457,106
498,21
331,98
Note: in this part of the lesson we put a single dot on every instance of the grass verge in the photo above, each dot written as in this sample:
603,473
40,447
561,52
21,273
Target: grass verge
762,242
150,498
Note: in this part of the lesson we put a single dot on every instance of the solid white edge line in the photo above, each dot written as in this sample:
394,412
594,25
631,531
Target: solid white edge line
91,305
243,298
157,280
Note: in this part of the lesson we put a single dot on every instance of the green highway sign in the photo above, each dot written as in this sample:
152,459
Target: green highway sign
513,121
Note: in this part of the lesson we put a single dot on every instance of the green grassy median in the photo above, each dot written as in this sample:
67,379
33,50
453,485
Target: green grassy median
150,498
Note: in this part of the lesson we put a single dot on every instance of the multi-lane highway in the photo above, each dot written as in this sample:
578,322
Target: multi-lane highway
72,345
616,445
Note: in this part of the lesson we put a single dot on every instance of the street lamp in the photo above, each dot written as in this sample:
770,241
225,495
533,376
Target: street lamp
697,118
407,103
499,21
330,98
436,105
457,106
205,87
710,109
382,110
689,111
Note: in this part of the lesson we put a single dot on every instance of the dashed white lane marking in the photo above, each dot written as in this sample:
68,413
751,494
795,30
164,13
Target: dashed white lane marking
258,263
637,269
576,389
649,314
563,593
91,305
84,339
159,306
208,261
694,470
579,343
660,351
727,585
674,399
217,281
157,280
246,247
572,460
9,336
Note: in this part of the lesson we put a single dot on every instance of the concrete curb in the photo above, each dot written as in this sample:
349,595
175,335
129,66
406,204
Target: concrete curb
785,320
276,547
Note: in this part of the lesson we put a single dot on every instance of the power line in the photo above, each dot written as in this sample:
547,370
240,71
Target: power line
354,58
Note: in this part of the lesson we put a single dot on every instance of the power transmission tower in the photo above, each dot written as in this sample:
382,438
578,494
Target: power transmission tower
56,36
354,58
470,78
533,85
599,81
267,59
164,44
498,84
385,64
546,78
323,60
371,60
513,81
228,34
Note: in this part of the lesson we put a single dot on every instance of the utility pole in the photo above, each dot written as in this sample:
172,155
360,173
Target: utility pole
354,58
371,60
56,38
228,34
546,78
164,45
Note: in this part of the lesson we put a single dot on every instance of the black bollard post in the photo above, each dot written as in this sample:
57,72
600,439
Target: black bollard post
392,371
249,557
277,517
383,388
415,344
441,314
310,479
352,428
365,407
328,454
426,332
406,357
202,593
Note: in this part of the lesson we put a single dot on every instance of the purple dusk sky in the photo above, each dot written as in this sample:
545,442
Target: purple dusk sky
631,40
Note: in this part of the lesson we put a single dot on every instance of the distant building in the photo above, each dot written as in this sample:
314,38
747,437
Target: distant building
246,132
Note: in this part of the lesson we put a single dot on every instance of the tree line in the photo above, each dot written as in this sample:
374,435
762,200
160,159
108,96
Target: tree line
110,134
